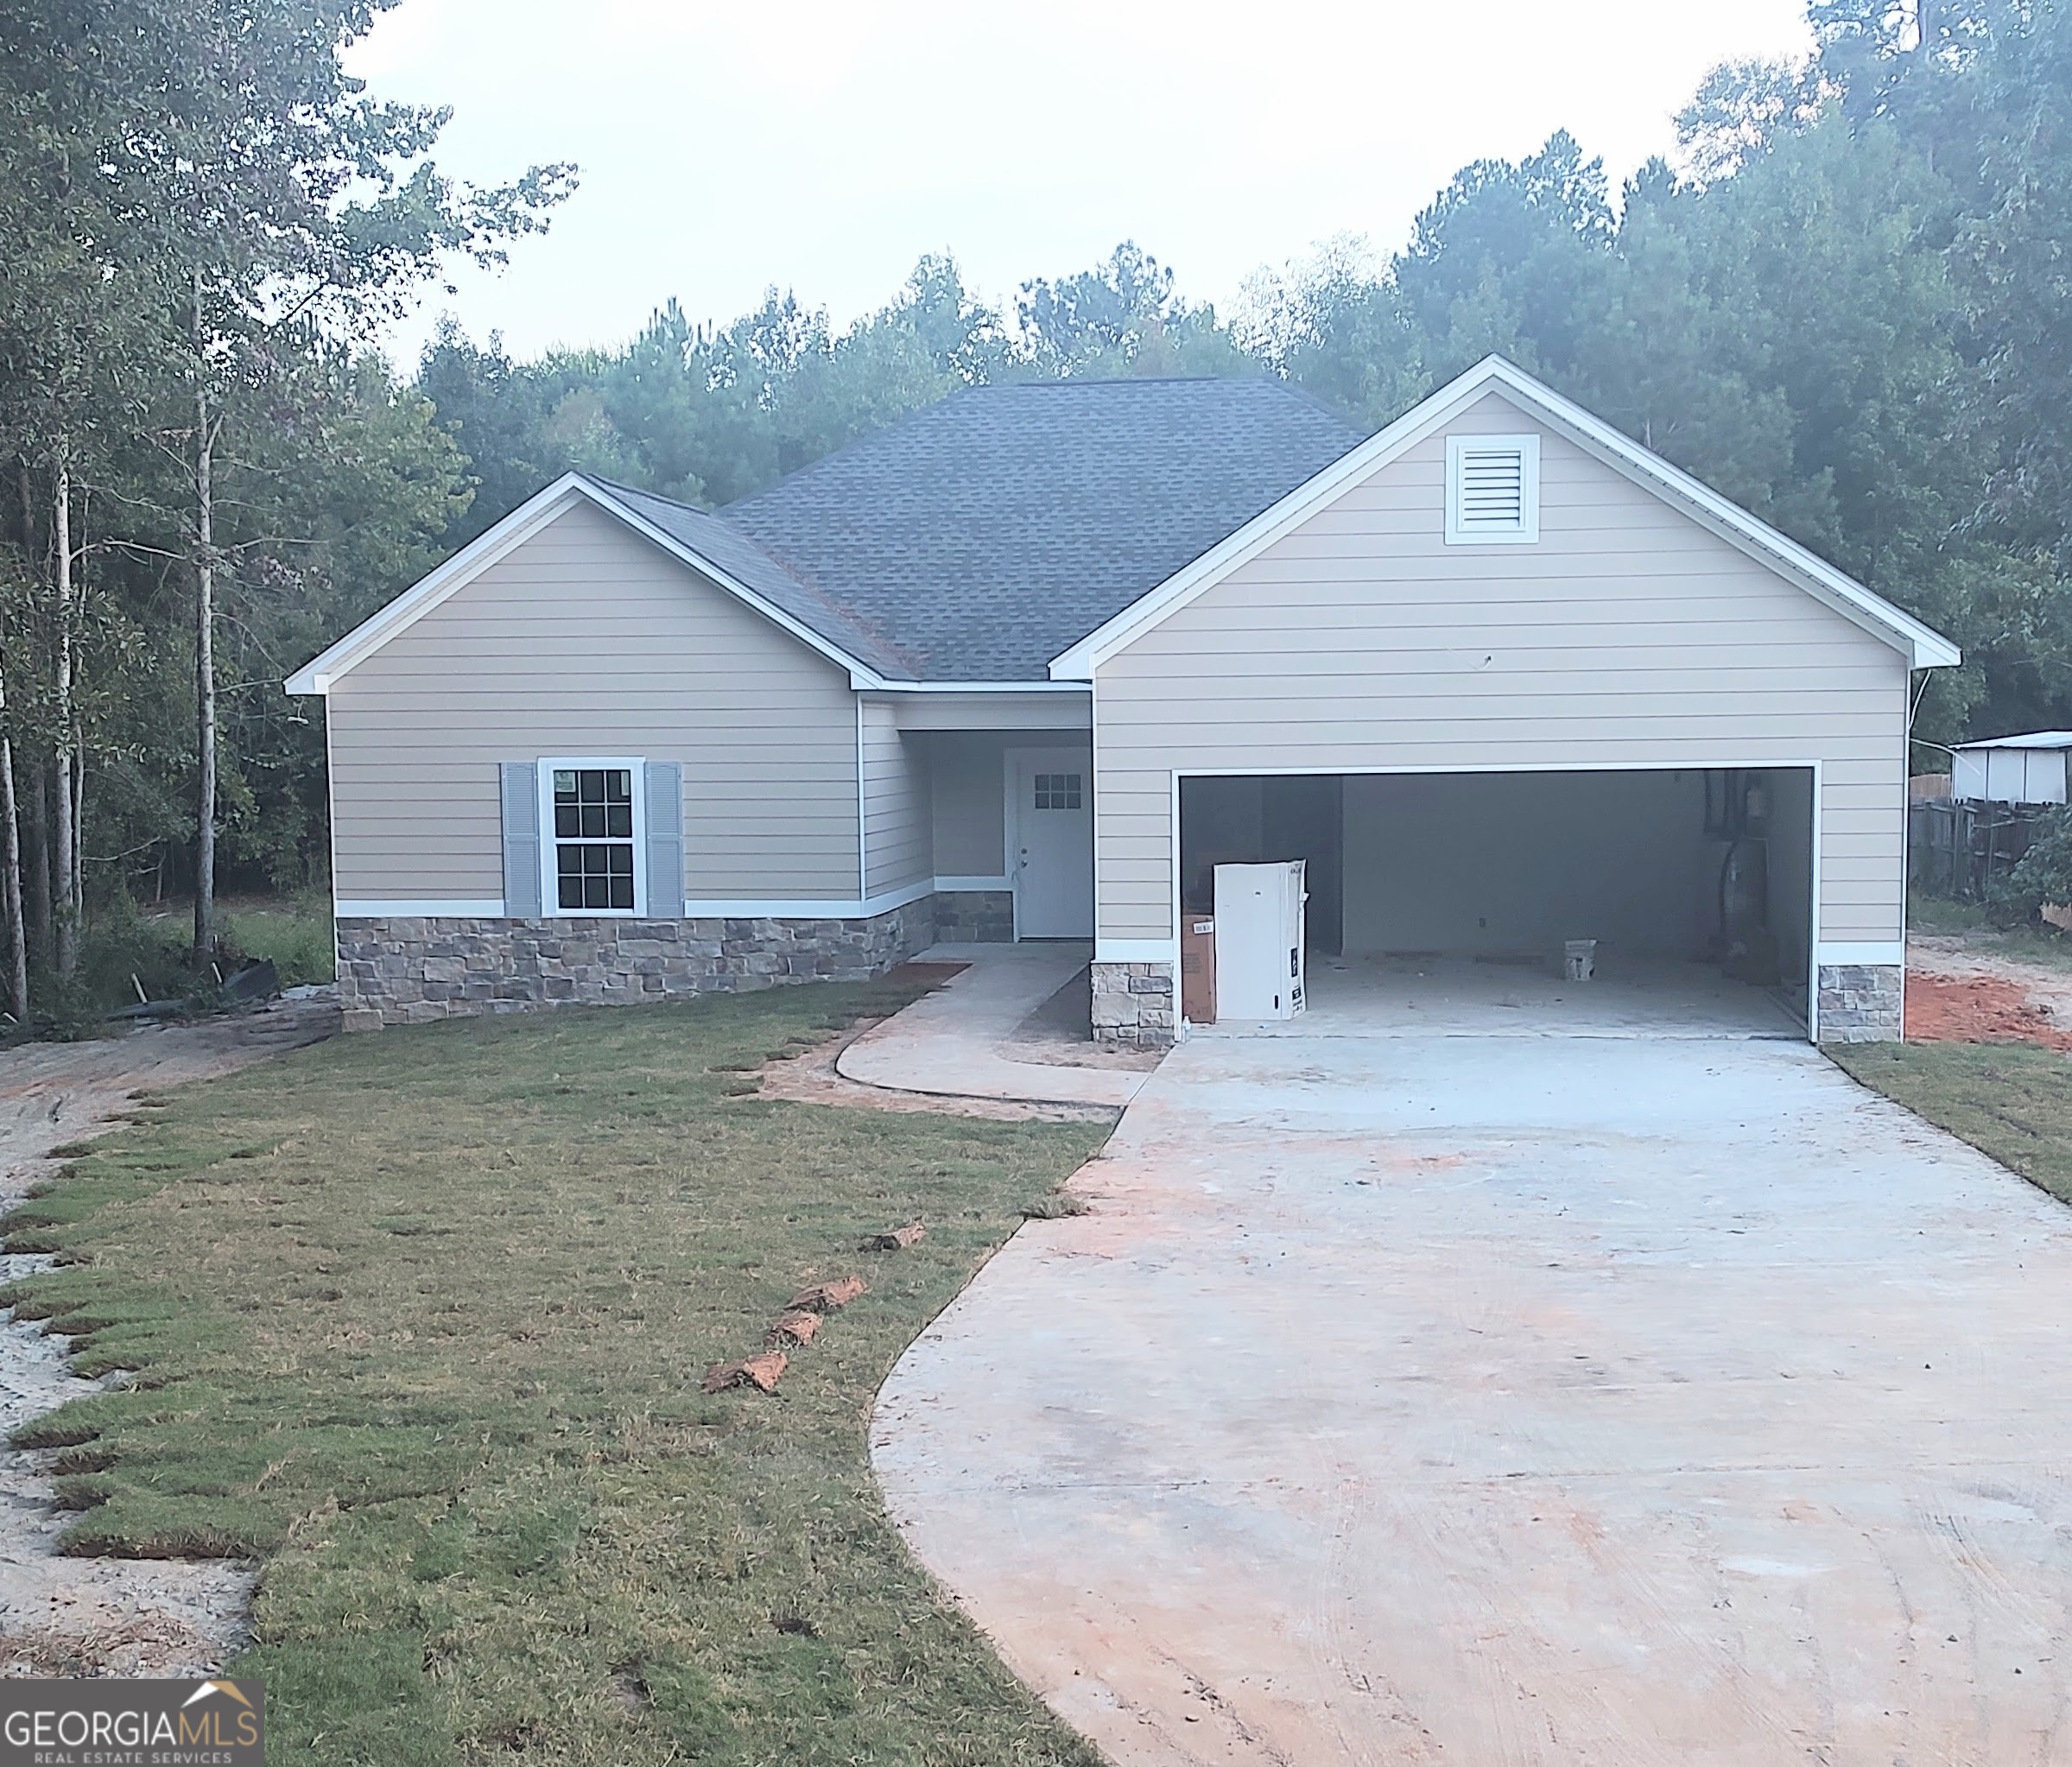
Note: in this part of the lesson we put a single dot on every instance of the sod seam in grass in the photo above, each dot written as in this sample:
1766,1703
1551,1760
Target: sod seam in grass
419,1321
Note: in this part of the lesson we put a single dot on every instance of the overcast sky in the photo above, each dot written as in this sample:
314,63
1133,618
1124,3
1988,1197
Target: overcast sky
824,145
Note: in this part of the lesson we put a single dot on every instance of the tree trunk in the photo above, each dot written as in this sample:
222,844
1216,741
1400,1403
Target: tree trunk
36,860
11,873
63,838
204,674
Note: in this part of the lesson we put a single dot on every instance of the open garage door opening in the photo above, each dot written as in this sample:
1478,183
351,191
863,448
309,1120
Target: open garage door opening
1442,898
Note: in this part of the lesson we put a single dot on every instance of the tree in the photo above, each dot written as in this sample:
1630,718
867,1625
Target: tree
307,211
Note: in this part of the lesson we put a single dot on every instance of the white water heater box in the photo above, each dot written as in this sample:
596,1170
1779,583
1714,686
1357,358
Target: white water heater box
1259,940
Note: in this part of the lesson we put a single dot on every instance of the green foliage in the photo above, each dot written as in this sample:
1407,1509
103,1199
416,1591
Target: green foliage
411,1331
2042,875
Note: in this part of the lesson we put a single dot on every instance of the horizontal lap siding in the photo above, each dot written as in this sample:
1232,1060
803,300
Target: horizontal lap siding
1628,635
968,773
898,843
586,640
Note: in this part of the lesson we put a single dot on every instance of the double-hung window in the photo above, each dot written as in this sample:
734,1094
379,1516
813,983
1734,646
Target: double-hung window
590,816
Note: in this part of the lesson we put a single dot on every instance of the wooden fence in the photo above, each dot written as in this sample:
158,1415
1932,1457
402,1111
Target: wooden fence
1960,849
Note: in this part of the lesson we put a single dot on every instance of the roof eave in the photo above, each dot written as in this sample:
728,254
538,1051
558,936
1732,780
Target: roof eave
324,670
1923,646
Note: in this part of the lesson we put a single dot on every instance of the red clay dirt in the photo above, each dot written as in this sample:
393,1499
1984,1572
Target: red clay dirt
1978,1010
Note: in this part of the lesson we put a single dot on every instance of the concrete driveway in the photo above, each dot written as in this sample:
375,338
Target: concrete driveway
1493,1399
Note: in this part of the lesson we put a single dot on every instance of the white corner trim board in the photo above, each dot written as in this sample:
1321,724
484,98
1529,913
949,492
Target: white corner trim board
1871,951
1923,646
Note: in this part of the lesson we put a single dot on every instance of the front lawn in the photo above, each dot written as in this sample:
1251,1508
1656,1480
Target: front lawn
2011,1101
420,1320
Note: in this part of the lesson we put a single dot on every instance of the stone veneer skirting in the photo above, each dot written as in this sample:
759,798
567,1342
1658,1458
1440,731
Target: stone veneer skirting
1133,1005
1860,1002
404,971
975,916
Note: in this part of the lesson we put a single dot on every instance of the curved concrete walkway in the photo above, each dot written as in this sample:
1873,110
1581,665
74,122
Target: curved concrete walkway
957,1041
1506,1400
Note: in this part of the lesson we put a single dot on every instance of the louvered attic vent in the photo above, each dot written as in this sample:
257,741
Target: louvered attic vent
1493,490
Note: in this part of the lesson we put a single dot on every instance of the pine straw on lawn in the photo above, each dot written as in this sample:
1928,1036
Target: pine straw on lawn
419,1321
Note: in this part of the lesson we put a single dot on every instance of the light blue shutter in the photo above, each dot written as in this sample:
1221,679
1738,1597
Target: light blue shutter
521,841
665,839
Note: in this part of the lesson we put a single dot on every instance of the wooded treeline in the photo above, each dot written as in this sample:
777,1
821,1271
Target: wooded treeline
1846,302
203,220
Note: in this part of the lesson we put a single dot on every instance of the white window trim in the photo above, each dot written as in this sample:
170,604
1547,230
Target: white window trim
1528,455
550,891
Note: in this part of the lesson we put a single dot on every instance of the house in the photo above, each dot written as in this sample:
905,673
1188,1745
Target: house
1030,663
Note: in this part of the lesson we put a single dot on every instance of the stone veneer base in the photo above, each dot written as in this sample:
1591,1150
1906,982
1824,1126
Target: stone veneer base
975,916
1133,1006
406,970
1860,1002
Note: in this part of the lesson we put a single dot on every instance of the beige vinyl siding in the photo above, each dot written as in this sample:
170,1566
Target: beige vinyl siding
1628,635
899,837
968,773
586,640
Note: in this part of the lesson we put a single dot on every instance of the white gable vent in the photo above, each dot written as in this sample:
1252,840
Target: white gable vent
1493,490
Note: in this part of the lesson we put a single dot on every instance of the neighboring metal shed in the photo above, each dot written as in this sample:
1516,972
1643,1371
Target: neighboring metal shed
2014,769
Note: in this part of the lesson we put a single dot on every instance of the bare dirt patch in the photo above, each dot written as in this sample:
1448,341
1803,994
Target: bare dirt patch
1059,1032
70,1617
1978,1010
1961,990
810,1078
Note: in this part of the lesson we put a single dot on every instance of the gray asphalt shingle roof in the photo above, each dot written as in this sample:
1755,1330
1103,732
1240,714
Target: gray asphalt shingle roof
718,541
980,537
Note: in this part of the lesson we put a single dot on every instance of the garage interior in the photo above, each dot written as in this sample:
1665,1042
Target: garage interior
1439,892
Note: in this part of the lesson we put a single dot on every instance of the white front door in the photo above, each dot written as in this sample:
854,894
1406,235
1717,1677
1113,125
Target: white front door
1051,836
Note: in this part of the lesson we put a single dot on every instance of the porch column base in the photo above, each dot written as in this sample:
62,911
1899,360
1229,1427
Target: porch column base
1860,1002
1133,1006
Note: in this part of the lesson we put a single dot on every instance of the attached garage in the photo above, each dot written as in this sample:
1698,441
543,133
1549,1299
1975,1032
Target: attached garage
1506,679
1695,884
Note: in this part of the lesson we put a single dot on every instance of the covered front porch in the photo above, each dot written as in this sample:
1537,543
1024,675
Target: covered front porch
986,799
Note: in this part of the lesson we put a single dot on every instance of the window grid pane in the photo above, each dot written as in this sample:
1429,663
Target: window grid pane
593,838
1057,791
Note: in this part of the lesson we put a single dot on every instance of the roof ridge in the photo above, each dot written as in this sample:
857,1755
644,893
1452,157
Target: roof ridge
978,388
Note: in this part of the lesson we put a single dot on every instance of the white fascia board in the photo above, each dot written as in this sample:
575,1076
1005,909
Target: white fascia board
1052,687
1923,646
1079,663
861,675
318,675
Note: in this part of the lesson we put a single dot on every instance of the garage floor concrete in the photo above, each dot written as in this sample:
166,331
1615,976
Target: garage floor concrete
1375,995
1495,1400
